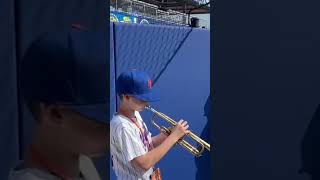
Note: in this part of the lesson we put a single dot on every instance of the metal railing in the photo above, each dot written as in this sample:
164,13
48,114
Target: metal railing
203,2
140,8
178,17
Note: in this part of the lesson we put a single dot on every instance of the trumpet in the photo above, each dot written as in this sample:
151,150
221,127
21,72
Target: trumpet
195,151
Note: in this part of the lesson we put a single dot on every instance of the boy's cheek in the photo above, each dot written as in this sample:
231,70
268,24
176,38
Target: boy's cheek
90,146
141,108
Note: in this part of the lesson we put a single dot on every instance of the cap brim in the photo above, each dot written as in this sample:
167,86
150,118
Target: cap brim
97,112
149,97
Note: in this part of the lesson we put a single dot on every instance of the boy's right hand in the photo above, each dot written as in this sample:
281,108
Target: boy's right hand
180,129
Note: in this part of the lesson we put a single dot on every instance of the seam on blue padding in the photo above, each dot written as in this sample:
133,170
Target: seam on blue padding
115,63
173,55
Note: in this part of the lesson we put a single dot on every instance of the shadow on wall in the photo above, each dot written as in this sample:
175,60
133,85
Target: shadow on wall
203,162
310,147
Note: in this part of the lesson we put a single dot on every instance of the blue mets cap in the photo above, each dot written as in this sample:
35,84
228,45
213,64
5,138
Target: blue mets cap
68,67
137,84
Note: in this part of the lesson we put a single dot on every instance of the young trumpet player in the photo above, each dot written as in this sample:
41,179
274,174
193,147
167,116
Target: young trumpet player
134,152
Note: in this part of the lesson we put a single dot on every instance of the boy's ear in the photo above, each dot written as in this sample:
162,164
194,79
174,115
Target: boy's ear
52,113
125,96
128,97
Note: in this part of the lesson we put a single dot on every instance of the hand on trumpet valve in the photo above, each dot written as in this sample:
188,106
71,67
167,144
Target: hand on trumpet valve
180,129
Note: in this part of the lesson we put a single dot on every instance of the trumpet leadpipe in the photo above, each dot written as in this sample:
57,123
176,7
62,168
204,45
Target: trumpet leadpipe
173,123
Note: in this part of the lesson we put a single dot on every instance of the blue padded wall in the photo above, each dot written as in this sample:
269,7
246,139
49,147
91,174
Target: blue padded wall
179,59
113,97
147,47
112,74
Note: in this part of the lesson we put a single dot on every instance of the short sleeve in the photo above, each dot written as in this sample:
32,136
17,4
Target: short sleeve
130,144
